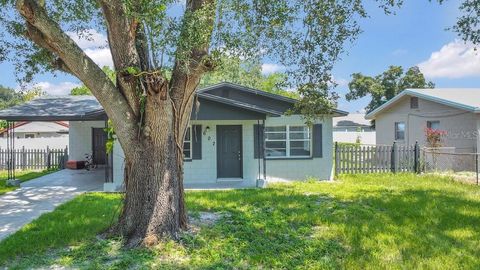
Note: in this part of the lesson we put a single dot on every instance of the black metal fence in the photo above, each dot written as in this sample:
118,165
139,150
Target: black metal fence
33,159
354,158
459,164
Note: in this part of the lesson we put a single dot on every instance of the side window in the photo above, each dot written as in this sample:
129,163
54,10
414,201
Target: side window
29,135
433,124
414,103
187,144
399,130
276,141
288,141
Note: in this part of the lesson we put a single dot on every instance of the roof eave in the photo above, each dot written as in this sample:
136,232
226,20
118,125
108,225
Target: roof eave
371,115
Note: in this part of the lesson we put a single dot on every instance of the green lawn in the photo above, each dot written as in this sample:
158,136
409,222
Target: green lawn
21,175
360,222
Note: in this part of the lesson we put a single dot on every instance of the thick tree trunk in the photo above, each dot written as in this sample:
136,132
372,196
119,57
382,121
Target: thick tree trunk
154,200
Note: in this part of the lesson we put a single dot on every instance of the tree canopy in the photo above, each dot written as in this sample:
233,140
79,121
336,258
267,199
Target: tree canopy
9,97
385,86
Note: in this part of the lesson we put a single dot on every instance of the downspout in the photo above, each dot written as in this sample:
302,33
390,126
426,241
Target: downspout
258,149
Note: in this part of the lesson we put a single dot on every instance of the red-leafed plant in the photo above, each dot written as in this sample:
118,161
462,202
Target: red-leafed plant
434,137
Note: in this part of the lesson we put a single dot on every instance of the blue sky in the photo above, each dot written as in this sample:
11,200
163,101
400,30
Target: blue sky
416,35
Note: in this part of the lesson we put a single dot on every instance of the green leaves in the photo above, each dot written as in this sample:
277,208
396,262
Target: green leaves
385,86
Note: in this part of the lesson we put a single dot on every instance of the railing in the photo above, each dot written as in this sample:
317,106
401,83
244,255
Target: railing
354,158
34,159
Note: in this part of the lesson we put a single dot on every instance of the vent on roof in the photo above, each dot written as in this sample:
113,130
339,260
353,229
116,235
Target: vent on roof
414,103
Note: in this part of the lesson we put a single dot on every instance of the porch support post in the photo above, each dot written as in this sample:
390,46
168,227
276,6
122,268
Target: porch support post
107,159
264,154
11,164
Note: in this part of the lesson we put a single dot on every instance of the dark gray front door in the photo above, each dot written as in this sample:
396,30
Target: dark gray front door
229,152
99,151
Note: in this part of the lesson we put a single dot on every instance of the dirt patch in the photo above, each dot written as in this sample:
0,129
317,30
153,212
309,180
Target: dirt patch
203,219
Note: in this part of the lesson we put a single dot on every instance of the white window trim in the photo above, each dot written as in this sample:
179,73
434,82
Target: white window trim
189,141
30,133
287,140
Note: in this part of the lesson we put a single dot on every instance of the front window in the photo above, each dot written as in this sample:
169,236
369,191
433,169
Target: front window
187,144
433,124
287,141
400,131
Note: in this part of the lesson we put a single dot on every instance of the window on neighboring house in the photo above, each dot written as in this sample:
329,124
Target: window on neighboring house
29,135
288,141
414,103
187,144
399,130
433,124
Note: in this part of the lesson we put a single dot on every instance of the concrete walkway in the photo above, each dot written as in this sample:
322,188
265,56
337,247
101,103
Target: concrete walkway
43,194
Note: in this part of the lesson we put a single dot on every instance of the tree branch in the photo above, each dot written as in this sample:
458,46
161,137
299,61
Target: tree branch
47,33
122,32
186,76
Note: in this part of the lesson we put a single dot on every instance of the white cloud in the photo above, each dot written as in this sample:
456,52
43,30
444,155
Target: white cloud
89,38
95,45
54,89
102,57
271,68
454,60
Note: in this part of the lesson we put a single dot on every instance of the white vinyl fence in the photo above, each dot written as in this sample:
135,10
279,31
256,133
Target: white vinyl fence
37,143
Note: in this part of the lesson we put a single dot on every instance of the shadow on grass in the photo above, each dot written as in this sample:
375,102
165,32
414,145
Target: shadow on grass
273,228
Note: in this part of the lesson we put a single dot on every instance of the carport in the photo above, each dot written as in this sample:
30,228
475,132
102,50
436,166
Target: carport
77,109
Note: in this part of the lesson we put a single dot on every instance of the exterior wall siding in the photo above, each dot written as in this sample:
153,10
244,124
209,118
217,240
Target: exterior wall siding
204,171
80,142
460,125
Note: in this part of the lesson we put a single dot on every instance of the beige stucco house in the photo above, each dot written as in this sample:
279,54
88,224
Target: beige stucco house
404,118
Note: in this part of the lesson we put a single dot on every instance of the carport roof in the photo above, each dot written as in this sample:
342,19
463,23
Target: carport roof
56,108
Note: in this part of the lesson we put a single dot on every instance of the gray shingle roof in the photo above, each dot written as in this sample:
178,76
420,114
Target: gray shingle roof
462,98
52,108
78,108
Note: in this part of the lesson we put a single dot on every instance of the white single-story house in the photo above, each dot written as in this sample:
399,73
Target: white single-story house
237,136
37,135
404,118
353,128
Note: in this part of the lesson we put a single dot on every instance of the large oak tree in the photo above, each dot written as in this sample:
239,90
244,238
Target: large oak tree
150,107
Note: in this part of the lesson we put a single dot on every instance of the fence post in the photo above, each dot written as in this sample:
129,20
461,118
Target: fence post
48,158
24,158
337,160
65,158
393,163
416,158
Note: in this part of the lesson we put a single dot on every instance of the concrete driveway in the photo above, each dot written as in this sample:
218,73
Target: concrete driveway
43,194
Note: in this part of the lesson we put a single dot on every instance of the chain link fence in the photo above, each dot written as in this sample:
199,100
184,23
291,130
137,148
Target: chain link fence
460,164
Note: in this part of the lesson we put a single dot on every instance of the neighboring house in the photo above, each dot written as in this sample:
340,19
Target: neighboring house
224,145
404,118
353,128
37,135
